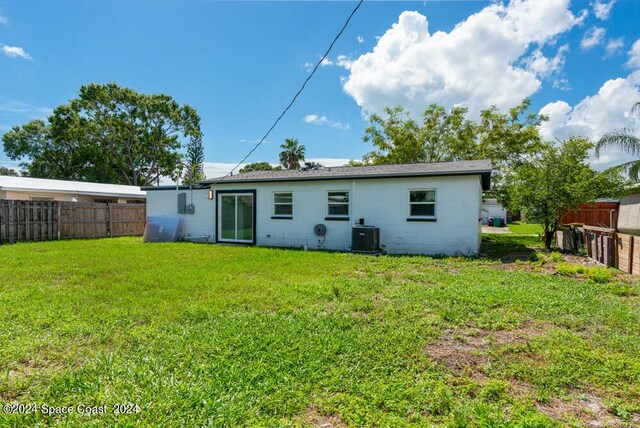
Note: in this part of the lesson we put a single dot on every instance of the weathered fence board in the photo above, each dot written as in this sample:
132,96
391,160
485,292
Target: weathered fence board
22,221
127,219
83,220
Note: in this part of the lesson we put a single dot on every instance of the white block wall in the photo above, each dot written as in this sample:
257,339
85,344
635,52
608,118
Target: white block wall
492,208
381,202
164,203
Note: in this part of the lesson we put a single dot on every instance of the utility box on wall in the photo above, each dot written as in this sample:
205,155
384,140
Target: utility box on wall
365,239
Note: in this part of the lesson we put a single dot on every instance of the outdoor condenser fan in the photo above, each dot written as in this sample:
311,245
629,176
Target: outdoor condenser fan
320,229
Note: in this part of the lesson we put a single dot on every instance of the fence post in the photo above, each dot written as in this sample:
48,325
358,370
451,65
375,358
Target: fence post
631,244
58,210
109,232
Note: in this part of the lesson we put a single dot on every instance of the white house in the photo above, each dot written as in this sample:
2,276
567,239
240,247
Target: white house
492,208
427,208
40,189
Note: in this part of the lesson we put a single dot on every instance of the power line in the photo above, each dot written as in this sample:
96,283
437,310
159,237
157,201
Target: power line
293,100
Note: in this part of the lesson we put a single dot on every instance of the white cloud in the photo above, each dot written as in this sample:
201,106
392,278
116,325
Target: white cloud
595,115
544,66
360,39
614,46
481,62
3,19
325,62
634,55
329,161
344,61
593,37
602,10
324,120
15,51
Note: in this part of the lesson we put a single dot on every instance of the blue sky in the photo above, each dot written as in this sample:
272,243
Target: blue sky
239,63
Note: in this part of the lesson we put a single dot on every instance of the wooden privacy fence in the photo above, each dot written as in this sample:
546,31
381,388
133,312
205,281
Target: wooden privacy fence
601,214
603,245
628,251
22,221
28,221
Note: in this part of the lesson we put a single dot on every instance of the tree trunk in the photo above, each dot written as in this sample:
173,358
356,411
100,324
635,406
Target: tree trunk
548,237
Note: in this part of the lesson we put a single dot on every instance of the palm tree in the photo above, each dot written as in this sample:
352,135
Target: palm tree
292,154
624,140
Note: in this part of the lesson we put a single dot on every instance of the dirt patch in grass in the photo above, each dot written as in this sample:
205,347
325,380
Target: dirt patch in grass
315,418
465,348
586,408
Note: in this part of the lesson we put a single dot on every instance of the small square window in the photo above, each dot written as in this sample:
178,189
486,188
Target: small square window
283,204
422,204
338,204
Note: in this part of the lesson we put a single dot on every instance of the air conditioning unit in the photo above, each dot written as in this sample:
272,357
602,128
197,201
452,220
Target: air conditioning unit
365,239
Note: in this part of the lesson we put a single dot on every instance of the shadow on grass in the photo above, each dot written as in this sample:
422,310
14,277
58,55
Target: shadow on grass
509,248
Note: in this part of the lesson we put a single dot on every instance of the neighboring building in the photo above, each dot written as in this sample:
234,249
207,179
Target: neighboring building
629,215
491,208
39,189
428,208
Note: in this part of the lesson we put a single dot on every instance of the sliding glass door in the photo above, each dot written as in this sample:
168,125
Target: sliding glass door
235,217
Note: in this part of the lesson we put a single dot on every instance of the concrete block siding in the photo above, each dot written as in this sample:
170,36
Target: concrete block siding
382,202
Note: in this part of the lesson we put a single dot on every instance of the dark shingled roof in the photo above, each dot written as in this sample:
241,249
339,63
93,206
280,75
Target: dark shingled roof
475,167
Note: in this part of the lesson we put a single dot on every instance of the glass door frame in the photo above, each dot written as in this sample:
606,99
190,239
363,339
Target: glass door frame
218,208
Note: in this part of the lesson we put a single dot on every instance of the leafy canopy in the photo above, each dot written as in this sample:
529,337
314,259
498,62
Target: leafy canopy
557,180
259,166
441,136
108,134
8,171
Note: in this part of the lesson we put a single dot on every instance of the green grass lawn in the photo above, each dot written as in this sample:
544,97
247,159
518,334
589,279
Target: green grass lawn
525,228
212,335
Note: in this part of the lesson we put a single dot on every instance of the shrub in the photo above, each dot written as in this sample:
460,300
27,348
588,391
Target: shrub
566,269
598,274
556,257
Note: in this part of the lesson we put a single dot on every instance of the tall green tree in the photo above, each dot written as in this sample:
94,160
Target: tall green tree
108,134
441,136
259,166
626,141
292,154
194,162
8,171
557,180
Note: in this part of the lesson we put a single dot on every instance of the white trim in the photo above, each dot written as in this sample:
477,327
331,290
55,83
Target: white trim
327,203
434,203
273,204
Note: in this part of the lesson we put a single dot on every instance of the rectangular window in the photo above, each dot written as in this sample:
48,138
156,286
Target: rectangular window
338,204
283,204
422,204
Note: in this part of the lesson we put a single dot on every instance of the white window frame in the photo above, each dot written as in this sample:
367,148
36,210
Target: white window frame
274,203
338,216
434,203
